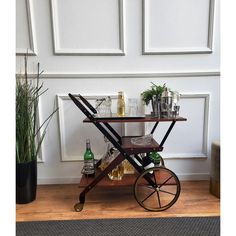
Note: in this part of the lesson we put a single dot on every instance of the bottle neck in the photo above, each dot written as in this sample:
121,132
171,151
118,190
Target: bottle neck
88,146
120,95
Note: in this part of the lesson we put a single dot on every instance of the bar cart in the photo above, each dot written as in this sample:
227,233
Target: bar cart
156,188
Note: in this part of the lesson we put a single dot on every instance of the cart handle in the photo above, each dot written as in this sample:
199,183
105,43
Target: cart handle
86,103
81,106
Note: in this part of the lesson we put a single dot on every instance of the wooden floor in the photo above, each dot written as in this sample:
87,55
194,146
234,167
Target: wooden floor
55,202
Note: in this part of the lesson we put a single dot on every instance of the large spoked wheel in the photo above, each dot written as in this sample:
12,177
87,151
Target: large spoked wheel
164,192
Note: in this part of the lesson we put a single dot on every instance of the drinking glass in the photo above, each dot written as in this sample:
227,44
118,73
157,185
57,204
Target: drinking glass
132,106
176,110
103,107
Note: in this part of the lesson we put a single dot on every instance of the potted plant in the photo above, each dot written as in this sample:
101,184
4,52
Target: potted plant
153,93
28,140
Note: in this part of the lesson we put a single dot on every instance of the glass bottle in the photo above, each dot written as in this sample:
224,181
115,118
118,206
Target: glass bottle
121,104
118,172
89,169
108,106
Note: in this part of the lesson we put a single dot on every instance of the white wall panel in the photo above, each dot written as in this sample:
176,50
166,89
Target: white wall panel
188,159
25,35
96,27
133,61
178,26
73,132
187,139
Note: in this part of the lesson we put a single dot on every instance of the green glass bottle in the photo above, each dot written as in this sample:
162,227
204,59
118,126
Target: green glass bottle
89,168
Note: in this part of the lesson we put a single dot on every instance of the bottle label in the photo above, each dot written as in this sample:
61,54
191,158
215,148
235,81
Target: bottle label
89,167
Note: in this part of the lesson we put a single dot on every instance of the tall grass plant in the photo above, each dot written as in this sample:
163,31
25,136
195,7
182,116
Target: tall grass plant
29,134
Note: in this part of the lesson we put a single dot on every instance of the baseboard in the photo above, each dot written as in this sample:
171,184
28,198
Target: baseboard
65,180
193,176
72,180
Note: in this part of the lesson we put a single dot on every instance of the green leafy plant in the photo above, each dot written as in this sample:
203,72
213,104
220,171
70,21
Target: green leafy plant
154,90
28,137
155,157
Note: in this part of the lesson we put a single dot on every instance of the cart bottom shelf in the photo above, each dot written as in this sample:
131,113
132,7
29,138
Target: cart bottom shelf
127,180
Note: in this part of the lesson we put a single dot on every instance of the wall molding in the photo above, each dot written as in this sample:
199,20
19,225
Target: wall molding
32,51
169,156
169,51
126,75
62,137
206,97
87,52
204,153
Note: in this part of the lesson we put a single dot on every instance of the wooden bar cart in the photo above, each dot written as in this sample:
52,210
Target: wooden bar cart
156,188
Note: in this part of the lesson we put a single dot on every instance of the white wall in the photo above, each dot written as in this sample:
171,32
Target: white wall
101,47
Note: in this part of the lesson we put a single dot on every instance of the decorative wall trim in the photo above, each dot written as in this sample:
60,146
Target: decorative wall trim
169,51
60,99
32,51
203,154
88,52
127,75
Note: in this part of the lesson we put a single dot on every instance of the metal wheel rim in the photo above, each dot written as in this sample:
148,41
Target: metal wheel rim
160,208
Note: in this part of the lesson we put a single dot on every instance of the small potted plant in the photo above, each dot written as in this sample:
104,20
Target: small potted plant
28,140
153,94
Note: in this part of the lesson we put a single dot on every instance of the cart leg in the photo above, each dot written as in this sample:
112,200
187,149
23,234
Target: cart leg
79,205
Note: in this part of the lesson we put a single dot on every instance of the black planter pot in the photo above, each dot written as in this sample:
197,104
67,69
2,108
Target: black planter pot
26,182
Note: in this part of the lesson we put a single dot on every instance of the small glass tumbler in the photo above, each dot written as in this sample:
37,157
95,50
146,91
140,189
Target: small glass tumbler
176,110
103,107
132,106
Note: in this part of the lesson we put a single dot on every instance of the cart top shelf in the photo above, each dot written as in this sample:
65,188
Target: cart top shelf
145,118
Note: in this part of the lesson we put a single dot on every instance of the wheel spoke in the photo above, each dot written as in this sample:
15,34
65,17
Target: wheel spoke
158,196
155,178
166,192
148,196
165,181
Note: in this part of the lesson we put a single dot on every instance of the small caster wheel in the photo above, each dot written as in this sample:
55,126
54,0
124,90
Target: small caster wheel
78,206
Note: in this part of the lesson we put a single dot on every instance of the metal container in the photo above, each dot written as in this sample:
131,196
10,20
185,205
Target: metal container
166,103
156,106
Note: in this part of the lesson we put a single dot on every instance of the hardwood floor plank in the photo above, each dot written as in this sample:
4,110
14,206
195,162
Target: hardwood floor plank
56,202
